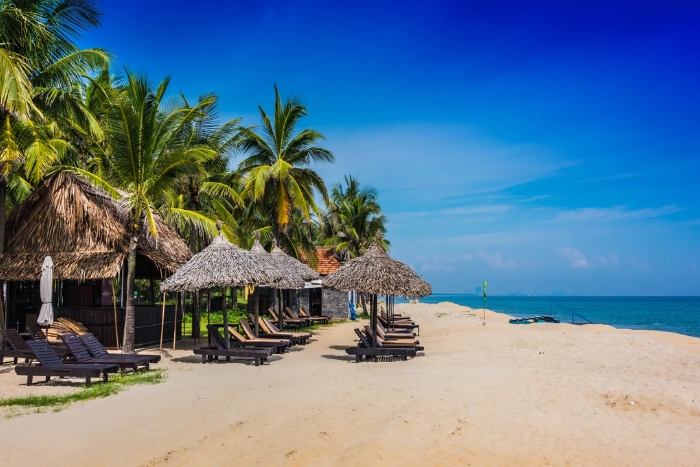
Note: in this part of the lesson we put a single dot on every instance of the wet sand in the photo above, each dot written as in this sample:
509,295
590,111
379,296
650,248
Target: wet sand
499,394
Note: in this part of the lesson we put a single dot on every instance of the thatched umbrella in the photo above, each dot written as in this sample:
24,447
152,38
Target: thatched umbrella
221,264
293,266
285,278
378,274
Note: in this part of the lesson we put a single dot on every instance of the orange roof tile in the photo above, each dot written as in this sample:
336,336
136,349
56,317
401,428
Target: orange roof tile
327,262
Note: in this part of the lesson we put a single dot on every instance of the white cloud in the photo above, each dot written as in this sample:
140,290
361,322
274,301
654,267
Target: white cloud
576,258
496,260
693,267
610,260
637,264
616,213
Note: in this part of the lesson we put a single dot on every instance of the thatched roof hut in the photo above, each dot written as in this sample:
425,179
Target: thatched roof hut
221,264
376,273
84,230
293,265
285,278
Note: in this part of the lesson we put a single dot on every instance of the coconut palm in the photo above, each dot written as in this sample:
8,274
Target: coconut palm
40,71
353,219
278,178
146,156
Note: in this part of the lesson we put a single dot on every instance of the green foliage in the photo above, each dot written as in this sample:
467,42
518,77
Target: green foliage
116,383
353,219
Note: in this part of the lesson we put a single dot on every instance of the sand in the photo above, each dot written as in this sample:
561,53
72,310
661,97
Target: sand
500,394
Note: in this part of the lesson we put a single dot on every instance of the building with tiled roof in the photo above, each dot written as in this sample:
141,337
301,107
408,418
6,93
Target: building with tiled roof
321,301
327,261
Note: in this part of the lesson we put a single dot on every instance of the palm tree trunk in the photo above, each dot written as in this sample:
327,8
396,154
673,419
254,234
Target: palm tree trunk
364,305
3,212
128,344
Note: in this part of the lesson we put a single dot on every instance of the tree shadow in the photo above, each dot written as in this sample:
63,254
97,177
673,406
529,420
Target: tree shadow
339,347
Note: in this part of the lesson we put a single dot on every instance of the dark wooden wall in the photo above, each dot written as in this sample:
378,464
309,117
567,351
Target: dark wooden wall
100,322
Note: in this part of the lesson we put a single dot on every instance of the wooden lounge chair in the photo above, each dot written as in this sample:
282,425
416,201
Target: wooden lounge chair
393,343
406,324
364,349
81,354
288,322
394,337
270,326
398,333
38,334
218,349
51,365
316,319
18,347
97,350
289,314
236,339
279,335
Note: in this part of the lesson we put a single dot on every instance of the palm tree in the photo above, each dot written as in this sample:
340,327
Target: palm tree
276,170
203,192
353,219
40,71
145,157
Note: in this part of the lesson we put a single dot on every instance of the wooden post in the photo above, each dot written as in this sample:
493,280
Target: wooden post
256,306
223,307
162,323
177,301
114,304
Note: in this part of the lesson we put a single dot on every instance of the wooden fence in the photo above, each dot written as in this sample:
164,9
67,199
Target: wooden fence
100,322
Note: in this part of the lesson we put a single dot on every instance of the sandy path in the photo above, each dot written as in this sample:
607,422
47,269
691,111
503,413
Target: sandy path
498,394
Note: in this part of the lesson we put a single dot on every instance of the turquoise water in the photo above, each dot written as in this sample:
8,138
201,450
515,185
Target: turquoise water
673,314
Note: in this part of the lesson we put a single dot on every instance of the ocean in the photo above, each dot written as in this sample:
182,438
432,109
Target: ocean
673,314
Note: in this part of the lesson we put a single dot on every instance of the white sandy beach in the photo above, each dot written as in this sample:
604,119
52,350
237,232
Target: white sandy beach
500,394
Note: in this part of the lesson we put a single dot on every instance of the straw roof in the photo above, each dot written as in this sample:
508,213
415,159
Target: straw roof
221,264
84,231
286,278
294,265
376,273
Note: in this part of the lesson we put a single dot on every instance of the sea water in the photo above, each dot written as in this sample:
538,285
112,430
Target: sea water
673,314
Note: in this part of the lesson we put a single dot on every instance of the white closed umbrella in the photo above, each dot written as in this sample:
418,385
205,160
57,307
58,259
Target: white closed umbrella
46,288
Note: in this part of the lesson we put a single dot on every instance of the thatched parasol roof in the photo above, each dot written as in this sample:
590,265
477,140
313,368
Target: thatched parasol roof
286,278
221,264
293,265
83,229
376,273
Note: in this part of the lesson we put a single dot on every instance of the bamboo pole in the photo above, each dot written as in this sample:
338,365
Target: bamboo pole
225,312
162,322
177,301
114,304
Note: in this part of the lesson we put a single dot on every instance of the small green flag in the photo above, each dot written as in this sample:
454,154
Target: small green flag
485,285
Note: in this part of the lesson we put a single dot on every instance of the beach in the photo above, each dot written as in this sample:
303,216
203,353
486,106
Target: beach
494,394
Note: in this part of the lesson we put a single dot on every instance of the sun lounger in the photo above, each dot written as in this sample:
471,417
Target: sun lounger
289,314
18,347
97,350
270,326
396,337
81,354
399,333
399,324
51,365
218,349
278,335
290,322
236,339
393,343
364,349
316,319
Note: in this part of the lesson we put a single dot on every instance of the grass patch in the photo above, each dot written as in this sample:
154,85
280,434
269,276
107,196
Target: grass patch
116,383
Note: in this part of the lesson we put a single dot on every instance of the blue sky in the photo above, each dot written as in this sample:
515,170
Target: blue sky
542,146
